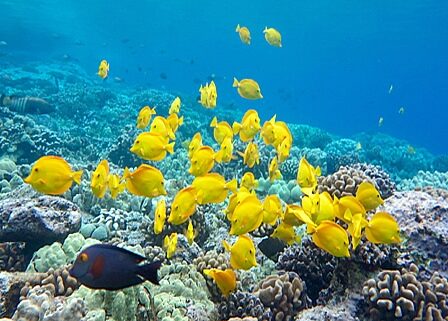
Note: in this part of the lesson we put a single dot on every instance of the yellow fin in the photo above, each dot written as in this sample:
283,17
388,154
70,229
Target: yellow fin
77,177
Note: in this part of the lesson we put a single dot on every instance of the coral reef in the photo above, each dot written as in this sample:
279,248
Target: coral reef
425,179
12,256
243,304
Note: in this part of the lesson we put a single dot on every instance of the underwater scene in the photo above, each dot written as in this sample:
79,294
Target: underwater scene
223,160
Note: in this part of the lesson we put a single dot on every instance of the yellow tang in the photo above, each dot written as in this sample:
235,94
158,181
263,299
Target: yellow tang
100,179
170,244
242,253
248,88
175,106
244,34
116,185
225,280
272,209
350,206
146,181
273,37
190,233
209,95
195,144
268,131
369,196
103,69
311,204
234,200
225,153
248,181
249,126
202,161
331,238
161,126
159,216
144,116
175,122
221,131
355,229
52,175
307,176
274,172
212,188
283,150
251,155
281,132
183,206
286,233
325,208
383,228
152,146
296,215
247,216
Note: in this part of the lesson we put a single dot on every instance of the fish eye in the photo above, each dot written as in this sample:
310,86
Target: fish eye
83,257
98,175
137,142
36,169
250,251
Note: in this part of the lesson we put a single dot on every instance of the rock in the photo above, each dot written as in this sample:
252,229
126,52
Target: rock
41,220
100,233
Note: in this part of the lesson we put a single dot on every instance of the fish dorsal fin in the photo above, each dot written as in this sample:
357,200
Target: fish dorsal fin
137,257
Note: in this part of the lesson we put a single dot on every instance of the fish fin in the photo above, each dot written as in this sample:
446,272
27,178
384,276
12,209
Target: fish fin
181,121
77,177
237,28
226,246
170,148
318,171
126,173
236,127
265,29
240,153
232,185
218,156
235,82
214,122
149,271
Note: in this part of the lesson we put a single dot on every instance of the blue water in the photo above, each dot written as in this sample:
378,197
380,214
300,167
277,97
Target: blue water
338,60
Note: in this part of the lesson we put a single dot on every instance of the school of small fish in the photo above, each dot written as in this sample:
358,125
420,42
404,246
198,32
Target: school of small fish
323,215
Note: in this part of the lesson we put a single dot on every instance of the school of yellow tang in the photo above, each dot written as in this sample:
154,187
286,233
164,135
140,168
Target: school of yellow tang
321,213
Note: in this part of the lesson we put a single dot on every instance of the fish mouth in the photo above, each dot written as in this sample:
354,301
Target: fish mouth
76,275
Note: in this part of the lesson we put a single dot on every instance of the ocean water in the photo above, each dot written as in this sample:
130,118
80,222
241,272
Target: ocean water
353,203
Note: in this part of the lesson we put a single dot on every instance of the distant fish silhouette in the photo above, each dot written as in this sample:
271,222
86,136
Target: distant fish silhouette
163,76
28,105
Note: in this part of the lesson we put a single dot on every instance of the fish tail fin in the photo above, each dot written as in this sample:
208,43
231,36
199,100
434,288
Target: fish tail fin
149,271
311,228
218,156
77,177
170,148
240,153
237,28
126,173
235,82
265,29
214,122
236,127
232,185
181,121
226,246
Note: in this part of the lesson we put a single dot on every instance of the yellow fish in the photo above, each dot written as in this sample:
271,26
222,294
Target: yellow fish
355,229
268,131
369,196
281,132
331,238
175,106
251,156
358,146
225,153
161,126
283,150
244,34
202,161
383,228
209,95
401,110
249,182
286,233
190,233
212,188
380,121
221,131
272,209
411,150
99,180
159,216
170,244
52,175
183,206
152,146
248,88
307,176
249,126
350,206
145,181
273,37
311,204
234,200
195,144
325,208
274,172
295,215
242,253
175,122
247,216
116,185
225,280
144,116
103,69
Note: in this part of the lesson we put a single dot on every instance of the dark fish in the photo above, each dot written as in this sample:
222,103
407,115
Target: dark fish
271,247
108,267
27,105
163,75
